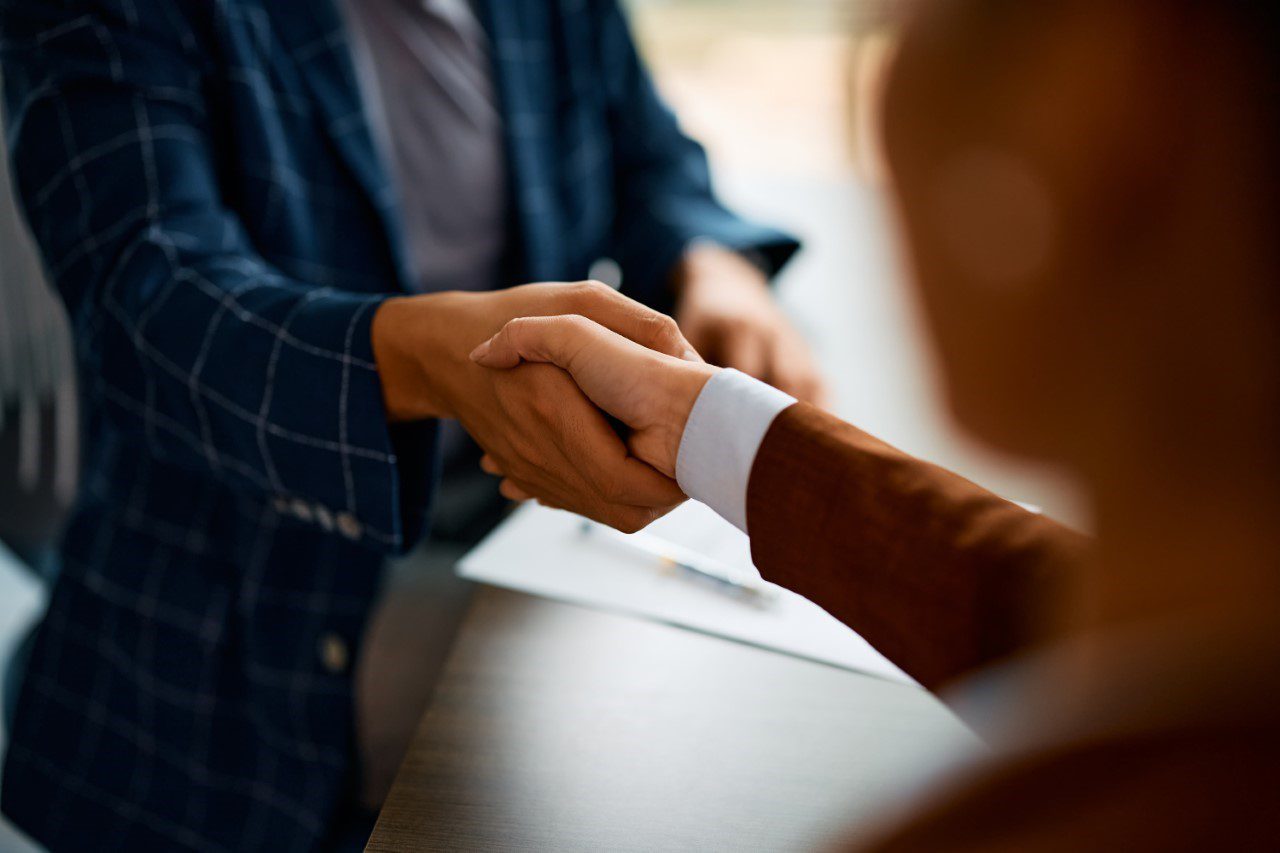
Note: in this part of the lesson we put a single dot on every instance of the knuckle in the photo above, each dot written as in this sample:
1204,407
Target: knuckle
588,293
609,481
521,449
638,518
668,332
544,407
627,521
611,490
513,333
576,323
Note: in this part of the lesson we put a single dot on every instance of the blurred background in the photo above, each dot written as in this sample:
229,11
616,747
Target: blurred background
784,95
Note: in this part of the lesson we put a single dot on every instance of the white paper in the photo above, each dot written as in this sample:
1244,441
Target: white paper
548,553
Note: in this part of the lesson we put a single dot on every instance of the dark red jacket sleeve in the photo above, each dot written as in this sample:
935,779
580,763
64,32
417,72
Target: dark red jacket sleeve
940,575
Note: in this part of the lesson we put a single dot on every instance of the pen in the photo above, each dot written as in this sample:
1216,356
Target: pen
689,563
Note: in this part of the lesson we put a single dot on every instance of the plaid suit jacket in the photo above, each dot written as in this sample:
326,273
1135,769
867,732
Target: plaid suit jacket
203,186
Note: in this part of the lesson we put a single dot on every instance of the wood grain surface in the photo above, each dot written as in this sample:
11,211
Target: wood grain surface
560,728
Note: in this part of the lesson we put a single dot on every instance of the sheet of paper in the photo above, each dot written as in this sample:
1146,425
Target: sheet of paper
549,553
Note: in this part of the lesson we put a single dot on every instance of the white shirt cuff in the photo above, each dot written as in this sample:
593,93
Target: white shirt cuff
725,429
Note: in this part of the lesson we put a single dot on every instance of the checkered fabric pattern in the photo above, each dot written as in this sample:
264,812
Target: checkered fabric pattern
202,183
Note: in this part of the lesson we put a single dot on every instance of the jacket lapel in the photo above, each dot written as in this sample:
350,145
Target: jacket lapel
521,39
316,38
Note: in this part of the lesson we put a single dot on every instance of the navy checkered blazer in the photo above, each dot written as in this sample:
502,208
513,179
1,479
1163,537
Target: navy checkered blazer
203,186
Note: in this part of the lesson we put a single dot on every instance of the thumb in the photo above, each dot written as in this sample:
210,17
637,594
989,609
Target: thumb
556,340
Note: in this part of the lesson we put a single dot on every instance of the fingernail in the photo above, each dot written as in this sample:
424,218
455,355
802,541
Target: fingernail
481,351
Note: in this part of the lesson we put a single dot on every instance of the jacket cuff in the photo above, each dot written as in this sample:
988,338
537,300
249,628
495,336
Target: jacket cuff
361,477
726,426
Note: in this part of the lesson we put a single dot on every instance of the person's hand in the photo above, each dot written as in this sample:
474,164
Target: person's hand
534,422
649,391
725,309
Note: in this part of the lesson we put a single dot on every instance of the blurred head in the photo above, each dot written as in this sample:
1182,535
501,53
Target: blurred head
1088,193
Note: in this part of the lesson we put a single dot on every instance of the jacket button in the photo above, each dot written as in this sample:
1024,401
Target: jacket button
348,526
324,518
301,510
334,654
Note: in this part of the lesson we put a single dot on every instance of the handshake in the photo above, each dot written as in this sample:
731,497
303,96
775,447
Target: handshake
535,372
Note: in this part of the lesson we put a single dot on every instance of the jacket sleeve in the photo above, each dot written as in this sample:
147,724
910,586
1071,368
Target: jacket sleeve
940,575
187,339
663,186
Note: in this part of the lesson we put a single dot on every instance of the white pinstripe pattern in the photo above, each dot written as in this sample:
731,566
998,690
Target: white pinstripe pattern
206,196
160,362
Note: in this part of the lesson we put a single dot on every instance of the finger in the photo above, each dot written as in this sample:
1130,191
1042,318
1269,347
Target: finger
542,497
490,466
804,387
613,473
708,339
817,392
588,442
747,350
794,371
512,492
633,519
638,484
557,340
629,318
617,476
622,517
790,374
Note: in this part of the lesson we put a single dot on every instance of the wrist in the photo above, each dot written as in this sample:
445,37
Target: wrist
686,386
418,351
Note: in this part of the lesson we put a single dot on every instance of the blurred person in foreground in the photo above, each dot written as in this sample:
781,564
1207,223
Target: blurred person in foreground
279,227
1089,194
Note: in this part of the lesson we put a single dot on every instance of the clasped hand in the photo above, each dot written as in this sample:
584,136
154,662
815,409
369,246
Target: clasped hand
649,390
537,426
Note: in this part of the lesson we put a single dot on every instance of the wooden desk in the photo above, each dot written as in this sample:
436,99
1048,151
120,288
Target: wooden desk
559,728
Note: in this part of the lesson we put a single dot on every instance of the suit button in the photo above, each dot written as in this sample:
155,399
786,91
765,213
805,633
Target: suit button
301,509
334,654
324,518
280,505
348,526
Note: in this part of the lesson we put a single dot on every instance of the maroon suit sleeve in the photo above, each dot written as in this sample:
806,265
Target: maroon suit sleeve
940,575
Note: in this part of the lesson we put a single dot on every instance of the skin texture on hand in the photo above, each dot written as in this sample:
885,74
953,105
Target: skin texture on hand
534,422
652,393
727,312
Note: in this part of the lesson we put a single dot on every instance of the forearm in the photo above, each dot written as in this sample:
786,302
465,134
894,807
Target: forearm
190,343
937,573
222,366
